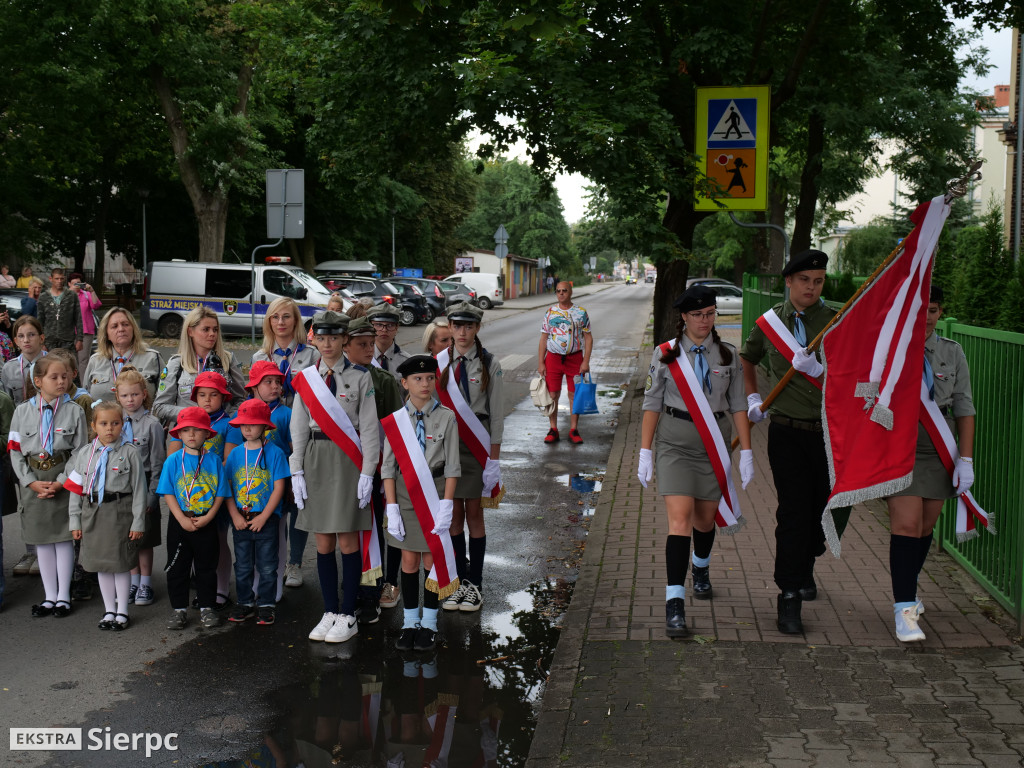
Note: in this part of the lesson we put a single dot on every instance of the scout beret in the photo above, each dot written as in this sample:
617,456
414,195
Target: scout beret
464,312
383,313
695,297
805,260
329,323
418,364
937,295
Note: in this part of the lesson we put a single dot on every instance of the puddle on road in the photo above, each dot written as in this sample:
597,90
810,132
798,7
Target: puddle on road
472,702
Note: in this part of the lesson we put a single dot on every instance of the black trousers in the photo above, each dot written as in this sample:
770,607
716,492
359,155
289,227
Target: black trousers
185,548
800,469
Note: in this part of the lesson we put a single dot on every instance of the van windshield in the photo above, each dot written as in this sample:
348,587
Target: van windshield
312,284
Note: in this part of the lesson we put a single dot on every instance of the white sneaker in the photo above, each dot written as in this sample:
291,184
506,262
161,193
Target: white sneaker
919,608
24,565
345,626
473,598
319,633
907,630
292,575
454,600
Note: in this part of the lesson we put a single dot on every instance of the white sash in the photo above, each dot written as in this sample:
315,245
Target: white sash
328,413
474,435
782,339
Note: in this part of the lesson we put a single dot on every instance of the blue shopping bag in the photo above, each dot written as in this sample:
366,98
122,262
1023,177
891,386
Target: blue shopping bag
585,399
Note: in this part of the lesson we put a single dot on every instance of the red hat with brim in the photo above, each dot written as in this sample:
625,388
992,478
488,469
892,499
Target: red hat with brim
213,380
253,412
260,370
192,417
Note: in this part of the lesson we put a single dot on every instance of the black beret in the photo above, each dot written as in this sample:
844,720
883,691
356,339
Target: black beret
695,297
417,364
806,260
937,295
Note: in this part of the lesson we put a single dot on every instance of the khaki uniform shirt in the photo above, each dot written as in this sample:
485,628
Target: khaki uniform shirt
952,379
442,451
100,374
487,405
303,358
726,380
150,441
13,375
175,390
124,474
395,357
69,432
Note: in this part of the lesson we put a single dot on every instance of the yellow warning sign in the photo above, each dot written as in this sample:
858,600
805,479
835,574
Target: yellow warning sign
732,148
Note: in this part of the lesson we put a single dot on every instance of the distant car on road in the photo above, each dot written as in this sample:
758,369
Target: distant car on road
708,281
630,280
649,278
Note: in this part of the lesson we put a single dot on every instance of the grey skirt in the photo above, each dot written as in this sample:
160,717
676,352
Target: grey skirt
682,462
45,521
106,547
415,540
332,482
471,482
930,479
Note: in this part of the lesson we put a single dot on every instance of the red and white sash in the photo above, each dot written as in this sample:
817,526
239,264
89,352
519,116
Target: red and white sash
968,511
471,430
425,502
782,339
728,517
441,718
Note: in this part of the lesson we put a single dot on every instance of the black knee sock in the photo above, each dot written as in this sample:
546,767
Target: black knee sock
703,541
677,557
459,548
327,569
351,573
926,545
904,557
410,590
477,548
430,600
392,565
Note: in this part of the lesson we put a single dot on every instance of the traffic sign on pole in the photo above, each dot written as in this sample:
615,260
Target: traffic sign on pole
732,148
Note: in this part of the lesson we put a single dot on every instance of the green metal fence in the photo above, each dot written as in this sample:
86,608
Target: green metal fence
996,361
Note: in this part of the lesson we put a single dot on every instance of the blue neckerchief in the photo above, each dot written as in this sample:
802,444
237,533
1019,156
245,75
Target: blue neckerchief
46,422
127,433
929,378
100,473
700,366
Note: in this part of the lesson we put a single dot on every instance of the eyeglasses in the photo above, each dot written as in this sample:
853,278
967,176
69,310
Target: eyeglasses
385,326
561,290
703,315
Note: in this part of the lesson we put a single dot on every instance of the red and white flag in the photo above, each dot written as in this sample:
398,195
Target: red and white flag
874,357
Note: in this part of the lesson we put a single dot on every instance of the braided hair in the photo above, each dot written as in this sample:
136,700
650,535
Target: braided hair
485,377
724,349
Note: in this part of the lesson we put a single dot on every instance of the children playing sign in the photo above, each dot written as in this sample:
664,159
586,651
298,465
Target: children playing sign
732,148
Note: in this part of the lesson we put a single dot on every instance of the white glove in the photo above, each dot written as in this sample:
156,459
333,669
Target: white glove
364,489
754,412
395,525
645,470
746,467
299,489
492,476
444,517
963,476
805,362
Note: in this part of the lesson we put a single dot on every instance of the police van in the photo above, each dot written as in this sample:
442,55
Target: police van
174,288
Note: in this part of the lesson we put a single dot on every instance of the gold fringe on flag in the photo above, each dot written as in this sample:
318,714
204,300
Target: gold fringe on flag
369,578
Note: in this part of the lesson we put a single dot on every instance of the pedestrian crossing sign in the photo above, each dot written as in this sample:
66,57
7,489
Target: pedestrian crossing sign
732,148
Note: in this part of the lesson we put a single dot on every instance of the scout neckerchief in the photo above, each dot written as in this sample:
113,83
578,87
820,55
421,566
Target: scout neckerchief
968,510
127,433
285,366
471,430
728,517
195,476
328,414
93,484
782,339
412,463
48,423
250,479
118,362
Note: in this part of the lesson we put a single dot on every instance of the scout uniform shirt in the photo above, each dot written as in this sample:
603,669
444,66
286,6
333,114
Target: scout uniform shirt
485,406
15,374
799,399
124,474
297,357
194,485
441,453
101,371
355,393
951,382
395,357
68,431
175,390
726,395
148,437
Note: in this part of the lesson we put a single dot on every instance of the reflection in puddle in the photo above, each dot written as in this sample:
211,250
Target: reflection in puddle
471,703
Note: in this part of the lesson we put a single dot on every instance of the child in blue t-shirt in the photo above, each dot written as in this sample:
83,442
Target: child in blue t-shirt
194,485
256,470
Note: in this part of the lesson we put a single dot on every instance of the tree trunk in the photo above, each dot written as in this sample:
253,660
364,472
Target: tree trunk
804,217
776,256
212,214
670,284
100,237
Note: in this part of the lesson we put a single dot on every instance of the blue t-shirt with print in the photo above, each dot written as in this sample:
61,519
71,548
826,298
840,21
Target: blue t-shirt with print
280,435
220,423
252,476
179,475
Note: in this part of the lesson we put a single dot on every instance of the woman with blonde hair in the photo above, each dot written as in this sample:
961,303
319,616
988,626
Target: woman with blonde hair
200,349
282,344
437,336
119,343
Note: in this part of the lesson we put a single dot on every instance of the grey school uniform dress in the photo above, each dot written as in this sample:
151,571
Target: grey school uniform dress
105,522
487,405
101,371
332,479
175,390
298,357
442,455
13,377
45,521
952,381
681,459
150,441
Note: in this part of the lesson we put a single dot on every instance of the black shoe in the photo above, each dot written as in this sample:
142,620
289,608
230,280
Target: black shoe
701,582
45,608
424,640
675,618
81,590
809,591
789,614
62,609
368,614
408,639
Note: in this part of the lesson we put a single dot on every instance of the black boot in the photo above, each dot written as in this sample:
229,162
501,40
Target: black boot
809,591
701,582
789,614
675,618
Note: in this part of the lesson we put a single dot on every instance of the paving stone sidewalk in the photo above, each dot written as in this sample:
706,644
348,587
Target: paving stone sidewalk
738,692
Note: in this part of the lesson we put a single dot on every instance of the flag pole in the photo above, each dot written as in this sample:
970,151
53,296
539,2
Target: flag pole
954,188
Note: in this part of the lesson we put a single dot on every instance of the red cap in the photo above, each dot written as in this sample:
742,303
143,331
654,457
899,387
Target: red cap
213,380
253,411
192,416
260,370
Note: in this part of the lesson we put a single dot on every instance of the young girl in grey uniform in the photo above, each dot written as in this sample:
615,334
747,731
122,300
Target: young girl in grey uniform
142,430
914,511
44,431
685,477
200,349
478,375
118,344
16,373
437,435
283,345
107,509
332,504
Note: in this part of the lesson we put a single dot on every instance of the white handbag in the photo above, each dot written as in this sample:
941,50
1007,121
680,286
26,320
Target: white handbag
541,396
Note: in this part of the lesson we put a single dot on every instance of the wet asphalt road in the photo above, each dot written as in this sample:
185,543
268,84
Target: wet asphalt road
238,689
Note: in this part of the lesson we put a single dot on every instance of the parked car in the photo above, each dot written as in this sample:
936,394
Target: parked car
437,297
729,299
456,292
489,287
414,305
382,291
708,281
